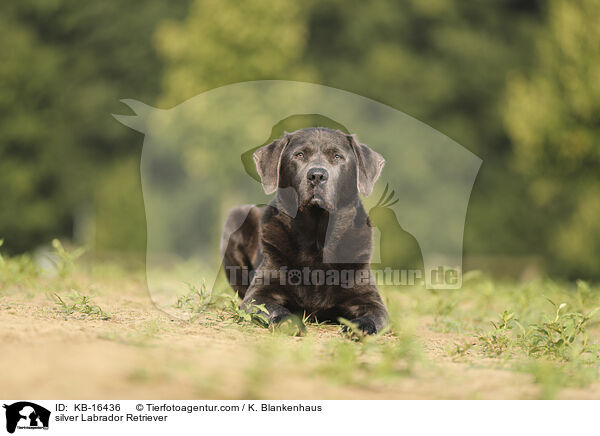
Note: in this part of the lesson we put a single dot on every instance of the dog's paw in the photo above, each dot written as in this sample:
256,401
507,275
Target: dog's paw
362,325
288,324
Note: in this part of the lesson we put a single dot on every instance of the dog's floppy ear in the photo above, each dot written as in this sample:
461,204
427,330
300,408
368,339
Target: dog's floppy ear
268,161
369,164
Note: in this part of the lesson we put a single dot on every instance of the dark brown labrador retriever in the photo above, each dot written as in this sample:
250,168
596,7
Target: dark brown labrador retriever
309,249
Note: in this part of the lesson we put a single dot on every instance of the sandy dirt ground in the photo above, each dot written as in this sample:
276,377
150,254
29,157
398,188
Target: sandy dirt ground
142,353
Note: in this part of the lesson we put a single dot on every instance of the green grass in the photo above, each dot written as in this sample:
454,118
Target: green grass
75,303
17,270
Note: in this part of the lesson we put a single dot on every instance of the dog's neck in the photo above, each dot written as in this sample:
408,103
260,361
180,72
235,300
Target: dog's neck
335,237
349,236
312,224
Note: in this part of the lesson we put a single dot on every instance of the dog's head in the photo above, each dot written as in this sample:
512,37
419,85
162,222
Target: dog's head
324,168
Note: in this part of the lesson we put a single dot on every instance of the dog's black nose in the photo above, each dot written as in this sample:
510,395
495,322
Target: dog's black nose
317,175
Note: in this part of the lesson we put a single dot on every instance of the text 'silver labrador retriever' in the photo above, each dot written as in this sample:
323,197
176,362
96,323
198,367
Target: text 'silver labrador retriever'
310,248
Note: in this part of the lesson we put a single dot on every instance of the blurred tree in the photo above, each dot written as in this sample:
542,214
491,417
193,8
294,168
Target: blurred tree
65,67
552,116
444,62
218,43
226,41
32,140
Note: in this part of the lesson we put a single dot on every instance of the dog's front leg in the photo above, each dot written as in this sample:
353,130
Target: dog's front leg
272,299
366,310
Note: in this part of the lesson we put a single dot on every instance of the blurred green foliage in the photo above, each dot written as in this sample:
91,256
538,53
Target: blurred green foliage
65,65
516,82
551,116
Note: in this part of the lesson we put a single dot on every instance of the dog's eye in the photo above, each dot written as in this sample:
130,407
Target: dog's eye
299,154
337,156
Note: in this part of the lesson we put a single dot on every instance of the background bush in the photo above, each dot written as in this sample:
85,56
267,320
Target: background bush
513,81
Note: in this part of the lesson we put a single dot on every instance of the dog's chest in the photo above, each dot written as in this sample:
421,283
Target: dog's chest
309,252
313,298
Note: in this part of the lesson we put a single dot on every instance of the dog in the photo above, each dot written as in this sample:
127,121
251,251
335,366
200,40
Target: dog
313,235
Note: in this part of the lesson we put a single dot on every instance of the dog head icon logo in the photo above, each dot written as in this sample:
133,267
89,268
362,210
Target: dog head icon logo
26,415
